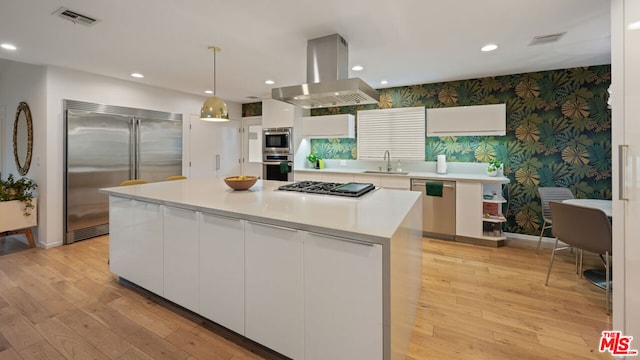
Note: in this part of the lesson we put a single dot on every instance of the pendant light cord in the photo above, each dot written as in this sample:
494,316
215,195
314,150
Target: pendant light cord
214,72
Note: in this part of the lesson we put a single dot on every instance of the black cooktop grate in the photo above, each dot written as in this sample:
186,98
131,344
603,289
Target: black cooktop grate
351,189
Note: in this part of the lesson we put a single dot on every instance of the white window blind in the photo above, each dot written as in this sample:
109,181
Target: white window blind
399,130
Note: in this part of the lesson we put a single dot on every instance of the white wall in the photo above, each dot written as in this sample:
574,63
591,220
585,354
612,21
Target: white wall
45,88
23,82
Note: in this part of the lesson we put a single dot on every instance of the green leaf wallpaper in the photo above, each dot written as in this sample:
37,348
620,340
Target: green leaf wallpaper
558,133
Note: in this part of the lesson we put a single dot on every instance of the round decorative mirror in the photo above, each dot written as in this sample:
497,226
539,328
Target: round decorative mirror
23,138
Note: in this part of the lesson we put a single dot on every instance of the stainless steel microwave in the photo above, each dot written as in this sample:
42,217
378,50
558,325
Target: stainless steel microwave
277,141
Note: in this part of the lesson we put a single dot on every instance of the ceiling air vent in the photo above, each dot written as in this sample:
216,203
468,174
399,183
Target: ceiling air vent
75,17
545,39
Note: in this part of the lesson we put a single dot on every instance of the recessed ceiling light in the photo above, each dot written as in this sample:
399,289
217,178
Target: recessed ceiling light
357,68
208,91
7,46
634,25
489,47
384,82
137,75
269,82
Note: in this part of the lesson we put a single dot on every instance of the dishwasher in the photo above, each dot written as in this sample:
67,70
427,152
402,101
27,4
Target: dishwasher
438,212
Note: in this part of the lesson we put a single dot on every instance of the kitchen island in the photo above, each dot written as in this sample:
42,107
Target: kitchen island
309,276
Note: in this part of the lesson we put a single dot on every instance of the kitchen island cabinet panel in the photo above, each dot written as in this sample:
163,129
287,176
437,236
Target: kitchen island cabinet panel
222,271
135,242
342,298
181,271
274,290
263,245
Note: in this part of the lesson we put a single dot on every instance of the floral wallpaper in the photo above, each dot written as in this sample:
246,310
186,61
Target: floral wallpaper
558,133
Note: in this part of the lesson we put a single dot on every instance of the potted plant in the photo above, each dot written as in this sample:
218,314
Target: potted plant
18,190
313,158
495,166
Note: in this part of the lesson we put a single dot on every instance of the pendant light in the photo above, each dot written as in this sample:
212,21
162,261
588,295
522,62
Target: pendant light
214,108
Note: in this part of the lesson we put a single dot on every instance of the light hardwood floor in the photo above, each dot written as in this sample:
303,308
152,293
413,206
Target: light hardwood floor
476,303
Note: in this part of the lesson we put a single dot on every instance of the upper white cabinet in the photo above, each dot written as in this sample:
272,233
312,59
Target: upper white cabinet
329,126
278,114
467,120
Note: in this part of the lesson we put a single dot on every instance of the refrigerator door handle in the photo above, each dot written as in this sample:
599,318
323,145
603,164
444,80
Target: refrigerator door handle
217,161
132,149
137,122
623,151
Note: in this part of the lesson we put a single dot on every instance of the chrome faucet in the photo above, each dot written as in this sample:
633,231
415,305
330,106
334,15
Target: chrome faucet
387,156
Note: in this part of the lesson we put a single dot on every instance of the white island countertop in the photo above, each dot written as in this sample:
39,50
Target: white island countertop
373,217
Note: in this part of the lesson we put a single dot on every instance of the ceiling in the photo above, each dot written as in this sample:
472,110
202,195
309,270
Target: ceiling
404,41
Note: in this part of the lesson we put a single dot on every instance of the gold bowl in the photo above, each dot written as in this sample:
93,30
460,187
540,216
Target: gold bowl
240,182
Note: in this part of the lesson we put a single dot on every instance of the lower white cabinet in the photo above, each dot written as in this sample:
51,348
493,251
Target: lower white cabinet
222,271
273,285
342,298
181,248
135,242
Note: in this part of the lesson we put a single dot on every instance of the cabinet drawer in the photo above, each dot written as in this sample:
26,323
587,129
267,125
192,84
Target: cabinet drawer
307,176
338,178
373,179
394,182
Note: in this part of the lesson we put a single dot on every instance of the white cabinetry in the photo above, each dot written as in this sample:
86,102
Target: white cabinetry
470,208
278,114
329,126
371,179
181,272
394,182
307,176
135,242
273,285
337,178
221,260
467,120
342,298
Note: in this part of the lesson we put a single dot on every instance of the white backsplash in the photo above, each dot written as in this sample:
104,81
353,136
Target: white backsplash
421,166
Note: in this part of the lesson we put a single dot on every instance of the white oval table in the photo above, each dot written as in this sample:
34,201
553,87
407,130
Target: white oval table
604,205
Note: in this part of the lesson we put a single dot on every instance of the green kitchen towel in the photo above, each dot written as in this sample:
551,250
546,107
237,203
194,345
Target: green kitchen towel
285,167
433,188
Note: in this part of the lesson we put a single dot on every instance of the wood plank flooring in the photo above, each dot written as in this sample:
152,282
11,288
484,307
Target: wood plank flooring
476,303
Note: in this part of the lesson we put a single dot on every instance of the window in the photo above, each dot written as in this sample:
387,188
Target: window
399,130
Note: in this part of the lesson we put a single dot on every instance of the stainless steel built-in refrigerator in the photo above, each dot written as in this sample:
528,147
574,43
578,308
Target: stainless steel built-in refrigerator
106,145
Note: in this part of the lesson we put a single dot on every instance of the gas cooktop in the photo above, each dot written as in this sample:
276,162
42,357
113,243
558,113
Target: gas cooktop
351,189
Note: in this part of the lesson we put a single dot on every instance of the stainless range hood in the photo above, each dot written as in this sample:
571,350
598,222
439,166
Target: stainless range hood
327,82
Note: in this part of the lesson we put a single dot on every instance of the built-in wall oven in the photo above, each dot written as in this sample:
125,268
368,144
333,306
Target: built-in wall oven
277,149
277,141
277,167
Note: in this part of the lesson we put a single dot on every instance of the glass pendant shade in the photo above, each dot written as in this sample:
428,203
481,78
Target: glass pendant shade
214,108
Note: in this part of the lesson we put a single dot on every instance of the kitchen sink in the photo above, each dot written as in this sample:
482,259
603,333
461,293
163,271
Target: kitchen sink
385,172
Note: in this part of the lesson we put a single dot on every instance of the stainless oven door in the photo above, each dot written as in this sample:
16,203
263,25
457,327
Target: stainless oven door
271,171
271,167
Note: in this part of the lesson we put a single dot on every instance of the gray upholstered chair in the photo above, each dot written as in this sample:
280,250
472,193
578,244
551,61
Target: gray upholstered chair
586,229
550,194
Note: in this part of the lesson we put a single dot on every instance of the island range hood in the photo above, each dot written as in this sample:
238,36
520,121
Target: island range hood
327,82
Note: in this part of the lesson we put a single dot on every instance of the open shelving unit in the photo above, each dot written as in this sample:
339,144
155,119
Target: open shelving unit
492,217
